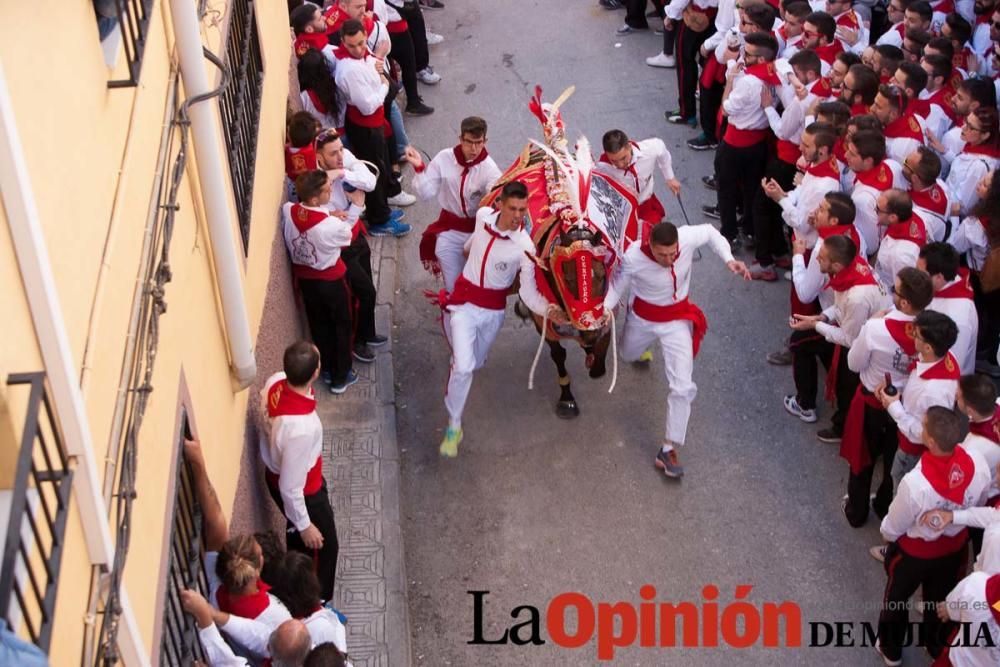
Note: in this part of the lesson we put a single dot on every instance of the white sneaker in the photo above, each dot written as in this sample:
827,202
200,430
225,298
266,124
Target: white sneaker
793,407
428,76
404,198
434,38
662,60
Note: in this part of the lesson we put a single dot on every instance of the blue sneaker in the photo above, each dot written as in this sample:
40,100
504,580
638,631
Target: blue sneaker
352,378
397,214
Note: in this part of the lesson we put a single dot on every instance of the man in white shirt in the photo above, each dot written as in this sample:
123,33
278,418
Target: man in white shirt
953,297
919,556
499,251
658,270
865,153
928,193
903,235
291,446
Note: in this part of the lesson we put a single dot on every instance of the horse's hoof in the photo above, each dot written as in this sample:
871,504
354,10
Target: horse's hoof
598,371
590,361
567,410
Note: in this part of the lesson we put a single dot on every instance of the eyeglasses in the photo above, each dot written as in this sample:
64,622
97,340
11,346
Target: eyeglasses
810,33
974,128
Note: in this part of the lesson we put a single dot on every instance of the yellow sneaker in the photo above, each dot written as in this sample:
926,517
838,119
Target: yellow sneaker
646,356
449,446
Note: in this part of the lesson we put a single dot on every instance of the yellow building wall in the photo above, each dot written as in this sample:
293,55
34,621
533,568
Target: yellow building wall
91,153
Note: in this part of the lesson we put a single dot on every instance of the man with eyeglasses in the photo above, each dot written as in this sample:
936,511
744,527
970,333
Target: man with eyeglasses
742,153
818,34
982,33
859,89
903,235
897,29
459,177
930,197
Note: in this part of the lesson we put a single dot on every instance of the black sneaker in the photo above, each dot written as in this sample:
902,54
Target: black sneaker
668,463
711,211
677,118
710,182
418,108
610,4
377,341
783,358
432,4
828,435
748,241
363,353
702,142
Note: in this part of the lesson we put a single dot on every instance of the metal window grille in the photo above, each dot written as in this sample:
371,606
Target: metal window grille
240,106
180,645
39,506
133,19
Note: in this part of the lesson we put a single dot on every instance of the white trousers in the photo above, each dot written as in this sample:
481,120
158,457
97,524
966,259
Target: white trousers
678,362
473,330
450,252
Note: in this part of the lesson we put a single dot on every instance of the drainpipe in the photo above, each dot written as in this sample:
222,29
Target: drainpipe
53,340
205,133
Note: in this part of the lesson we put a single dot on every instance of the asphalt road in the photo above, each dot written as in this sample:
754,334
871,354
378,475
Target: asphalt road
534,506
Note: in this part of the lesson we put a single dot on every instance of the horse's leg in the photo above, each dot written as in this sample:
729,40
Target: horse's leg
600,355
566,408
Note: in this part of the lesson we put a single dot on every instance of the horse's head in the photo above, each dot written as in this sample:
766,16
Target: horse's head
578,269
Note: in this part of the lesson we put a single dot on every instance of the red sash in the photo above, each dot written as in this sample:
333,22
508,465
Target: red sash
853,446
299,160
247,606
314,478
878,177
446,222
467,292
905,127
738,138
681,310
908,446
989,429
912,230
933,199
949,476
651,211
962,289
936,548
788,152
354,114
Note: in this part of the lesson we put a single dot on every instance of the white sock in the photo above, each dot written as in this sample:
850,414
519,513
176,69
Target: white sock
455,425
667,447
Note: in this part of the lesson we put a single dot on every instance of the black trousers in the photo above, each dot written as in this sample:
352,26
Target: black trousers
688,44
328,309
988,309
880,436
769,227
808,348
937,576
358,258
635,14
708,113
418,34
738,172
321,514
368,143
403,53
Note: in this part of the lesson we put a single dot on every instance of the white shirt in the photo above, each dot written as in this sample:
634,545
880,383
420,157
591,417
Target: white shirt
360,84
323,626
937,120
442,177
289,447
989,451
963,313
496,259
987,518
326,118
357,175
935,222
966,171
676,7
850,310
792,121
743,104
865,200
319,246
919,394
967,603
893,255
217,651
659,285
726,18
893,36
647,156
875,352
803,200
916,496
970,239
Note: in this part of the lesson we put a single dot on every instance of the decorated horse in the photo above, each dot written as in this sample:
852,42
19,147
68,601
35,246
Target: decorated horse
581,222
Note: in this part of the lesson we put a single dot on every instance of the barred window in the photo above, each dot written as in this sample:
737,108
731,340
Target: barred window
240,106
126,21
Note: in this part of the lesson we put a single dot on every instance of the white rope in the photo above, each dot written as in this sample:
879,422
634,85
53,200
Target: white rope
538,352
614,354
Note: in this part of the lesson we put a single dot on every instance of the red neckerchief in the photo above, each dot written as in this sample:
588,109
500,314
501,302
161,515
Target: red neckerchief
849,231
942,97
993,596
648,252
318,103
984,19
860,109
904,127
902,332
629,169
343,54
988,151
933,199
282,400
989,429
305,219
901,29
944,6
310,40
466,167
949,475
960,289
878,177
919,107
912,230
946,368
856,274
961,59
840,151
821,88
827,169
247,606
765,72
848,19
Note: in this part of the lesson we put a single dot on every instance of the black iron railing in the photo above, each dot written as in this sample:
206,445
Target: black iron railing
180,645
240,106
29,578
133,20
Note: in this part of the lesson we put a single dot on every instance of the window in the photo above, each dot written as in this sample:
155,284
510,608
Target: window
180,645
240,106
129,20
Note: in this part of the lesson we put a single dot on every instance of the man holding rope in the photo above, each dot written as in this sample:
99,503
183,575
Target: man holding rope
659,272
